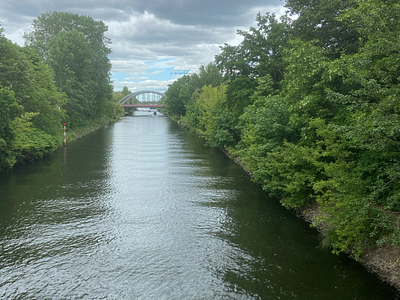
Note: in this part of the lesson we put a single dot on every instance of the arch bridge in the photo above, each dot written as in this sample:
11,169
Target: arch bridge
125,100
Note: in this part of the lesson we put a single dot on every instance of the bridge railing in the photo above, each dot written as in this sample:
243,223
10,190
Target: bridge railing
125,100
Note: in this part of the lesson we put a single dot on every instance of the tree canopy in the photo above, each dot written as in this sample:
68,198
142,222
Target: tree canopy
310,106
76,48
62,74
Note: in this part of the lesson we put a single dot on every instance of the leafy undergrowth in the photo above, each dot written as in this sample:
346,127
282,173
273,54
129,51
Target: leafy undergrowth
91,126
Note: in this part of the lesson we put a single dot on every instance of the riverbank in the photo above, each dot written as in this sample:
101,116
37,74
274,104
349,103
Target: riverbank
32,154
383,261
92,126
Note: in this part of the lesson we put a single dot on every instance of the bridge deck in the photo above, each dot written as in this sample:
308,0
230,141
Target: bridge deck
142,105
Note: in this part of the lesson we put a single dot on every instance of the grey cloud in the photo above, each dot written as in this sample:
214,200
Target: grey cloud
224,13
189,31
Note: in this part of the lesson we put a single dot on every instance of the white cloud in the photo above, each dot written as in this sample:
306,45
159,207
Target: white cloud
129,67
150,37
154,85
156,72
136,78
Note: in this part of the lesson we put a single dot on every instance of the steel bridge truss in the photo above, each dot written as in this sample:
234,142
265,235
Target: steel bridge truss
126,99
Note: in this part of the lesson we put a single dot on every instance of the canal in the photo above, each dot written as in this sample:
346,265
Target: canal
142,210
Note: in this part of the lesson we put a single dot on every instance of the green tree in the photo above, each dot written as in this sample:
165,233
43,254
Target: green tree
264,126
261,51
260,54
44,97
125,91
239,95
231,62
30,103
208,75
76,48
210,109
15,71
9,111
365,171
70,55
318,20
263,46
179,94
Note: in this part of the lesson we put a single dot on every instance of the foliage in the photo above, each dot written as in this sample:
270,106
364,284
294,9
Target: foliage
9,111
318,20
31,113
44,98
62,74
70,55
311,108
30,142
264,126
181,95
210,111
76,49
175,100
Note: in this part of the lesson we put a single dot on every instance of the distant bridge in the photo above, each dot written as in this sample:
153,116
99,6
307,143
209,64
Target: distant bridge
125,101
142,105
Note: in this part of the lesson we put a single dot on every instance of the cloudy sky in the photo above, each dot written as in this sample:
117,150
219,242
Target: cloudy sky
150,38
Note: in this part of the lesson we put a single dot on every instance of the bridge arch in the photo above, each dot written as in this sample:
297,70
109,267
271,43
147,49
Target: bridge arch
126,99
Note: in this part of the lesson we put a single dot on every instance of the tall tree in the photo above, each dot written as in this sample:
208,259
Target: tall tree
179,94
319,20
29,102
70,56
125,91
65,40
8,112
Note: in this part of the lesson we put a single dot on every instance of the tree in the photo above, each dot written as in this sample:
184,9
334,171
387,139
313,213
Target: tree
261,51
8,112
263,46
30,103
231,63
76,48
44,97
364,175
179,94
264,126
70,55
239,95
320,20
125,91
209,75
210,107
15,71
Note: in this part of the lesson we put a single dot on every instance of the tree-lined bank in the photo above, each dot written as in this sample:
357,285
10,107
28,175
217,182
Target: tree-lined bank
62,74
310,106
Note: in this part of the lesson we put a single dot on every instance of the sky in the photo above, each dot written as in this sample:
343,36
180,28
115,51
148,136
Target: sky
152,40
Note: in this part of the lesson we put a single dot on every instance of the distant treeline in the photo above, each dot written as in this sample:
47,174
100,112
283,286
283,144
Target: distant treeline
311,106
62,74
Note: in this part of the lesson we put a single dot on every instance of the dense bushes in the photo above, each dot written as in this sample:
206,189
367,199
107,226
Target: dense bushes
62,75
313,113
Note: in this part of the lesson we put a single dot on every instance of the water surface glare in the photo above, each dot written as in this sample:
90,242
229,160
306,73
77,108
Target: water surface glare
142,210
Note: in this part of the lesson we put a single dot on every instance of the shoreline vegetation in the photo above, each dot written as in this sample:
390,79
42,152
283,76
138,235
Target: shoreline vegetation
383,262
310,108
74,134
61,75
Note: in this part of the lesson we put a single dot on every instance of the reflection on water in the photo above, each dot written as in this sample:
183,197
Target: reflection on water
142,210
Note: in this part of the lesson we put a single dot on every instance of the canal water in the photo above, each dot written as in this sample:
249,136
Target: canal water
142,210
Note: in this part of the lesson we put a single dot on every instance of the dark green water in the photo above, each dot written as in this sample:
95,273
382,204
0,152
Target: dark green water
141,210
